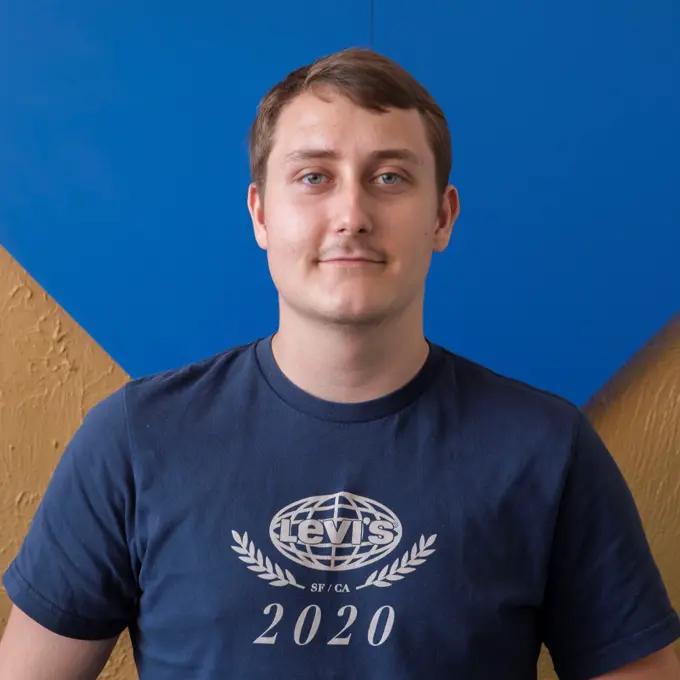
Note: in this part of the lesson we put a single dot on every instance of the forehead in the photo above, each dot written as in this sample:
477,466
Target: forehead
337,123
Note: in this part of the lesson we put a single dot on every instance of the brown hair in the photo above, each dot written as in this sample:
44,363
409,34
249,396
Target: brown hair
369,80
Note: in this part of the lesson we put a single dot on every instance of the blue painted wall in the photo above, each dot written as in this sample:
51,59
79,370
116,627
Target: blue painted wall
123,169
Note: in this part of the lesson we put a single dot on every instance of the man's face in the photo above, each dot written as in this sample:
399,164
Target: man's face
350,216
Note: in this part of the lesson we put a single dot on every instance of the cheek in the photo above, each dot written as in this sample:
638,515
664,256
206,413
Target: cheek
414,253
293,226
292,245
413,240
290,240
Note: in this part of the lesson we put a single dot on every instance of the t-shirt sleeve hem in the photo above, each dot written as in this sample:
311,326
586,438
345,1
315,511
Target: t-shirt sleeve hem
623,652
49,616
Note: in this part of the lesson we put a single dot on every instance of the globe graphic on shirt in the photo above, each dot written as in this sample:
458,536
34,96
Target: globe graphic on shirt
337,532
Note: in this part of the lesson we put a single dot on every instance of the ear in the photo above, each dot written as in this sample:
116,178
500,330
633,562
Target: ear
256,208
447,215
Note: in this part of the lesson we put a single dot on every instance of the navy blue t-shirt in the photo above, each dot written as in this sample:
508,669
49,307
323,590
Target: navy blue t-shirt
244,529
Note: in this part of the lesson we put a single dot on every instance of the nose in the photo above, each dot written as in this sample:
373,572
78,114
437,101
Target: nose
352,213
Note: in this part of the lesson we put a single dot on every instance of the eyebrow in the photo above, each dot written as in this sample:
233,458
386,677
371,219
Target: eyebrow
307,154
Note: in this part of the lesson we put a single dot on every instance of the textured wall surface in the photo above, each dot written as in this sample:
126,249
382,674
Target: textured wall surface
638,416
52,372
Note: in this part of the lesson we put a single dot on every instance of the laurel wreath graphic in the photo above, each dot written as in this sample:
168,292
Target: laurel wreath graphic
400,567
263,566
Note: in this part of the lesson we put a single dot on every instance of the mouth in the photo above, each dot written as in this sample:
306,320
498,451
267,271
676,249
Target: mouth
351,262
353,259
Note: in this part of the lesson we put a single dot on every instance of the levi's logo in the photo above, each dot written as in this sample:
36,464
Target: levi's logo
336,532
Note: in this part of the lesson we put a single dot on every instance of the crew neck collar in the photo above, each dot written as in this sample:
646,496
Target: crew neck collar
342,412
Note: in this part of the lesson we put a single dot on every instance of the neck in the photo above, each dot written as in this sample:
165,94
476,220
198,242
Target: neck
350,365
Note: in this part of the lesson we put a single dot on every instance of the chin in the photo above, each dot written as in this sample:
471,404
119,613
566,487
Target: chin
367,316
343,310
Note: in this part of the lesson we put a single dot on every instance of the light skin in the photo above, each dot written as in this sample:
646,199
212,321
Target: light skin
28,651
349,331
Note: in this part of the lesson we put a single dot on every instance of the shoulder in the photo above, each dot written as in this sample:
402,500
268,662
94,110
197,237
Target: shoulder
203,379
170,397
489,394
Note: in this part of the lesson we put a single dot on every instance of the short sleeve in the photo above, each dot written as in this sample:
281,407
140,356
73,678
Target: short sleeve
74,571
605,602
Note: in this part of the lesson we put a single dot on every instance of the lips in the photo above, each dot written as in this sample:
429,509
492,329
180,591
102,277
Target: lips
353,259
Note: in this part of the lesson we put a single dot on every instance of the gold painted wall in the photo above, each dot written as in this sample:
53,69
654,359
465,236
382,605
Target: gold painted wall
52,372
638,416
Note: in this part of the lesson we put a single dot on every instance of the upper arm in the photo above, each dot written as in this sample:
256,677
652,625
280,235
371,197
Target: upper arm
76,571
662,665
605,604
30,652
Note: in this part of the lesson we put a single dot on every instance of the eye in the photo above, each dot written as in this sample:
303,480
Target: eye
313,176
392,178
316,178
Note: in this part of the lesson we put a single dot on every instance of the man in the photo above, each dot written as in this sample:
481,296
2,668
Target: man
343,499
